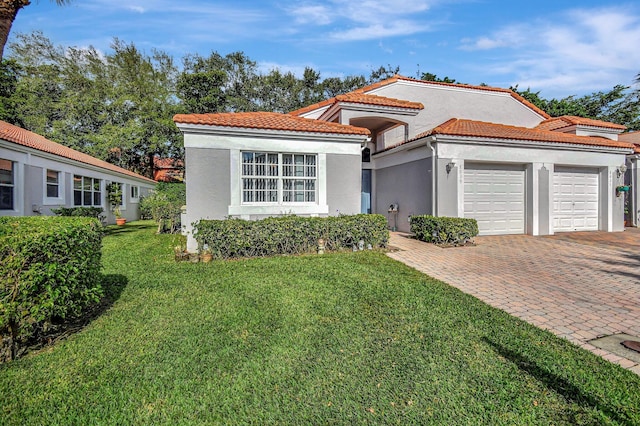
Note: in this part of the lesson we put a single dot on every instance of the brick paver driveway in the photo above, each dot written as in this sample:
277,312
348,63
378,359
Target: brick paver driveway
580,286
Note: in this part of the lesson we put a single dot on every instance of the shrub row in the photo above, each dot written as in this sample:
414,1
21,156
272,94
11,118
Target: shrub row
49,270
164,206
233,238
79,211
444,230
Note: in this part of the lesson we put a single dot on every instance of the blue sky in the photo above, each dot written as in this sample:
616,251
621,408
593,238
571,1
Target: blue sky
559,48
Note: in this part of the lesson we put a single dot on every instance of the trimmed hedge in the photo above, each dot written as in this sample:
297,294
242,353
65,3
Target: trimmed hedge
79,211
232,238
444,230
49,270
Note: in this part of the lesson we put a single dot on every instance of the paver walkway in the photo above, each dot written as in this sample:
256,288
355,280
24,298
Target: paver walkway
579,286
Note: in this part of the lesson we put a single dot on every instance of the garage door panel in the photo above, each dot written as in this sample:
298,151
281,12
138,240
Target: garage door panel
575,199
494,196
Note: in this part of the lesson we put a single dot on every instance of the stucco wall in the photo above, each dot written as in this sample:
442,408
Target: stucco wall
444,102
208,190
30,177
344,174
409,186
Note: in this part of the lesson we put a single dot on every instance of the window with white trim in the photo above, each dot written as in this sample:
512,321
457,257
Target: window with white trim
135,192
7,184
86,191
276,178
53,184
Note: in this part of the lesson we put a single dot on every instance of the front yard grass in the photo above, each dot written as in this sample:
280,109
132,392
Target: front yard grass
334,339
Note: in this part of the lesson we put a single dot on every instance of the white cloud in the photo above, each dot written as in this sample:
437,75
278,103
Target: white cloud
583,49
354,20
138,9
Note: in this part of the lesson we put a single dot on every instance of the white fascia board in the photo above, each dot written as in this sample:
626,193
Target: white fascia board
358,107
408,146
310,144
238,132
64,160
315,113
517,143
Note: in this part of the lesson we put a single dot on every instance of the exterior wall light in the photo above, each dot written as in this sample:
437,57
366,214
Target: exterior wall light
621,170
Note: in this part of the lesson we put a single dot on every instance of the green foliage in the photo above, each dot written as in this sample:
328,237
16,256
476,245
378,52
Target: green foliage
234,238
619,105
49,269
114,197
164,206
349,338
94,212
444,230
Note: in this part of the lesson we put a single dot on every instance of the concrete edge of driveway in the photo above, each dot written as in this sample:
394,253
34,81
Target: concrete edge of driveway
579,287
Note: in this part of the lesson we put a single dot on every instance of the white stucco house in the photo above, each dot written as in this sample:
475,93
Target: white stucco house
37,175
426,147
632,179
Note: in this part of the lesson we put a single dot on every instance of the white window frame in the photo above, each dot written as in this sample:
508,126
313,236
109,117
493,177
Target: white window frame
248,210
274,181
11,185
134,198
60,184
92,190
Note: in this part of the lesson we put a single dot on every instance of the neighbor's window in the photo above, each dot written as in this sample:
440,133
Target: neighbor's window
135,192
86,191
278,178
7,182
53,184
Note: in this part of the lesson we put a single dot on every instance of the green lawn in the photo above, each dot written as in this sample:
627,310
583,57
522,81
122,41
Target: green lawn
333,339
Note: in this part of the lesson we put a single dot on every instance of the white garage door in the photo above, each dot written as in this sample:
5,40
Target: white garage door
575,200
494,196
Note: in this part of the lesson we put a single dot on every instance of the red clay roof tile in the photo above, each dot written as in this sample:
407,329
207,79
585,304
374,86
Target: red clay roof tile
471,128
561,122
269,121
633,137
32,140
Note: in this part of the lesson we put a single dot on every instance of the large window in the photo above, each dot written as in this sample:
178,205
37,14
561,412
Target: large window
53,184
278,178
86,191
7,182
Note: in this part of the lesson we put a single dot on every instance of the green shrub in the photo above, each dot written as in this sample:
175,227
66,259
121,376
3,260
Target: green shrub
49,270
164,206
444,230
232,238
95,212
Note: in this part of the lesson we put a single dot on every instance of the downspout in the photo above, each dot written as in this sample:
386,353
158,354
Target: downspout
434,177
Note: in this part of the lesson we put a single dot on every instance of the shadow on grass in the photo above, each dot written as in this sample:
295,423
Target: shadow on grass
115,230
113,285
558,384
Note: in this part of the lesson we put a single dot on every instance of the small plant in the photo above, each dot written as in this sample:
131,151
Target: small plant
114,197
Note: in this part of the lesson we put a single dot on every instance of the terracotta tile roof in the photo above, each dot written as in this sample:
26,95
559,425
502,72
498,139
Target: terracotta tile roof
364,99
557,123
633,137
269,121
396,78
32,140
167,163
471,128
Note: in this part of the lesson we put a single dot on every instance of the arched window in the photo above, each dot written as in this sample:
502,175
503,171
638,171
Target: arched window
366,155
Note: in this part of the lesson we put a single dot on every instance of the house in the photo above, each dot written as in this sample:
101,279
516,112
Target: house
168,169
632,178
404,147
38,175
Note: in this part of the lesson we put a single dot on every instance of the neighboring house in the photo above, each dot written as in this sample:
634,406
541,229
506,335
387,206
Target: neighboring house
425,147
37,175
632,178
168,169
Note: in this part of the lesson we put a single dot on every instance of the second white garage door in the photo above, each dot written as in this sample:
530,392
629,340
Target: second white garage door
494,196
575,199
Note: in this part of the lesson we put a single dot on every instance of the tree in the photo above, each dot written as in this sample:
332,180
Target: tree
8,11
427,76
